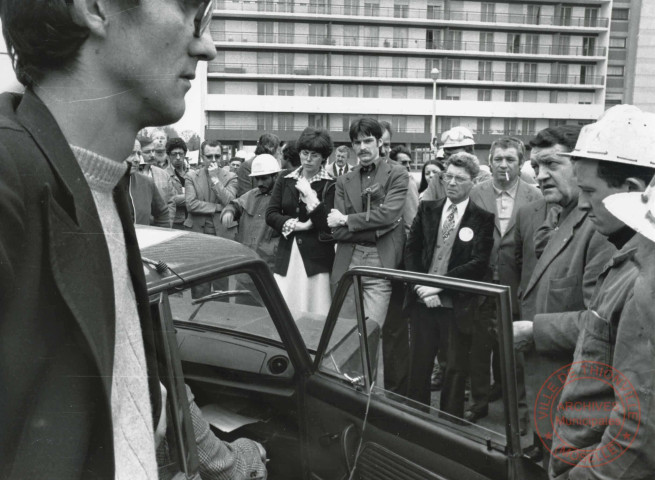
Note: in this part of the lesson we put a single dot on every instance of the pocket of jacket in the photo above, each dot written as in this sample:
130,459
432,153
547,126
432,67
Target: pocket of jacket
564,294
594,342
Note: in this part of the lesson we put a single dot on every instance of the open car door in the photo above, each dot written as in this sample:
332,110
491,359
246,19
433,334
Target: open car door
354,429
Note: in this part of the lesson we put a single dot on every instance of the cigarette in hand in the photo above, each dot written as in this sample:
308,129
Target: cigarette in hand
507,176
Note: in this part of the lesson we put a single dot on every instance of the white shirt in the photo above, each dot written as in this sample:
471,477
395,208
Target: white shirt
461,208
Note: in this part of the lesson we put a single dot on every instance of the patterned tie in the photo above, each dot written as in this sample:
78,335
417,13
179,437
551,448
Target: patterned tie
340,171
449,224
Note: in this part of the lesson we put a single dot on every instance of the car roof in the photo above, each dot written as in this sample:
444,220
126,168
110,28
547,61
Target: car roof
187,255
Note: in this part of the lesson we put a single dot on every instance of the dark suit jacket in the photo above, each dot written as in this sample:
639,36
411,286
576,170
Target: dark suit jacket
284,205
528,218
385,216
57,314
468,260
503,255
334,170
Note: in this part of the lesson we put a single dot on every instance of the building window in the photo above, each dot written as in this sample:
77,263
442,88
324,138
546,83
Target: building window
285,32
534,15
433,39
370,91
565,15
620,13
453,40
532,44
617,42
317,33
371,9
265,32
317,120
615,71
435,9
588,46
351,91
399,91
401,10
511,95
528,126
530,72
556,122
611,102
513,43
448,122
351,35
488,12
452,69
347,120
285,6
285,90
285,121
317,63
431,63
351,65
483,125
486,41
264,88
400,37
510,126
559,97
450,93
399,123
216,87
318,6
264,121
285,63
484,95
399,65
512,72
266,6
529,96
371,36
484,71
351,7
317,90
587,75
370,66
591,17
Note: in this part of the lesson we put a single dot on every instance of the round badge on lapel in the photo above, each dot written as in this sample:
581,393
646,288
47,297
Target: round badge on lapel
466,234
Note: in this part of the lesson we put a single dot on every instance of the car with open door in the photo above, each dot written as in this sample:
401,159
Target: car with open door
309,387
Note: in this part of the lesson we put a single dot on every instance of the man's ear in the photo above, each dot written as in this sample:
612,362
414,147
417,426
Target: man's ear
93,14
634,184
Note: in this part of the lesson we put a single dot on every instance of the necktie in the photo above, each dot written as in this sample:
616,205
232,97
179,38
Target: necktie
367,169
340,171
449,224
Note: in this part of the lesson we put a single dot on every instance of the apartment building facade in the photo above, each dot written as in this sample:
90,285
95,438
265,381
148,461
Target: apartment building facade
510,67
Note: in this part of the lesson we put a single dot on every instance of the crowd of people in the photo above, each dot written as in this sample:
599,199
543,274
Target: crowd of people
81,383
532,219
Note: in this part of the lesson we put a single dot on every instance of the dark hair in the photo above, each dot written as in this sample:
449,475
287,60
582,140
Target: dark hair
209,143
237,159
615,174
173,143
267,143
565,135
505,143
399,149
467,161
144,140
365,126
41,36
316,140
386,126
291,155
424,181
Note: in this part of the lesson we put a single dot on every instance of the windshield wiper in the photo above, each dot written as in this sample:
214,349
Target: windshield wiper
215,296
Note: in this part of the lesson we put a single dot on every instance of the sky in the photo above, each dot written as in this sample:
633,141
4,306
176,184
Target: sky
192,119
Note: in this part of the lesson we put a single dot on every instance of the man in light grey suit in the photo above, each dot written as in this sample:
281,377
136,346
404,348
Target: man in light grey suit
502,196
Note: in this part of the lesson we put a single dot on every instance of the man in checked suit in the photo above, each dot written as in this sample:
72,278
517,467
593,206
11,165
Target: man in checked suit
451,236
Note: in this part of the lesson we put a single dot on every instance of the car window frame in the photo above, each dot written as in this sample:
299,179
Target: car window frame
505,336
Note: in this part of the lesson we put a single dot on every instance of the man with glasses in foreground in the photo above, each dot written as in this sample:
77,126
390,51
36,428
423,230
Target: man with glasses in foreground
451,236
80,383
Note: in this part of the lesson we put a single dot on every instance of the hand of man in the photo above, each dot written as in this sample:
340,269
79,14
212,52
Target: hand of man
523,335
432,301
423,292
336,218
227,218
212,171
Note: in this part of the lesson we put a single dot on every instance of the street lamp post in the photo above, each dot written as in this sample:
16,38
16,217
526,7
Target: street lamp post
434,74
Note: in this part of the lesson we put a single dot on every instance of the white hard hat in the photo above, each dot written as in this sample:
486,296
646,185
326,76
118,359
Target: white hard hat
264,164
635,209
457,137
623,134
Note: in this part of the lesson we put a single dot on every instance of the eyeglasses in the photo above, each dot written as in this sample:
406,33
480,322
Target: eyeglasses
177,154
160,152
212,157
203,17
311,155
447,178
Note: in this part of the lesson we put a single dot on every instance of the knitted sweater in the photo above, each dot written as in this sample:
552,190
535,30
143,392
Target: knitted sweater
134,449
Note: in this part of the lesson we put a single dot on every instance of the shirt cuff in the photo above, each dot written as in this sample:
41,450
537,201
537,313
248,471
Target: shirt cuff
289,226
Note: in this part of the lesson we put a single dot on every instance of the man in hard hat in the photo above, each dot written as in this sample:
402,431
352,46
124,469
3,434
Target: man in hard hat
502,196
605,163
250,210
457,139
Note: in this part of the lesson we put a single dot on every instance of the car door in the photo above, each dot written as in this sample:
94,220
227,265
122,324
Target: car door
354,429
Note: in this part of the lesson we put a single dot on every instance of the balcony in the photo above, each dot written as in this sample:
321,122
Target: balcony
374,74
405,12
458,47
